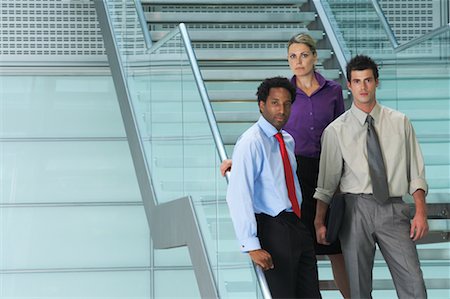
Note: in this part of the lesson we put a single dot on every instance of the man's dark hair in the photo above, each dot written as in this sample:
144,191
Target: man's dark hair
360,63
267,84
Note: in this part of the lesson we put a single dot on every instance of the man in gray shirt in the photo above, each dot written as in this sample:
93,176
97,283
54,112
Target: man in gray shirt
375,212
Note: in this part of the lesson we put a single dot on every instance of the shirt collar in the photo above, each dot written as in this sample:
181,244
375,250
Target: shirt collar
361,115
266,127
322,81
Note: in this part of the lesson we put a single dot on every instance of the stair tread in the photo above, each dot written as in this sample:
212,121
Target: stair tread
259,2
253,73
249,54
244,34
223,17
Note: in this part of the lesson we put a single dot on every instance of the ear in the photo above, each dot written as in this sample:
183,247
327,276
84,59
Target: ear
349,86
261,105
377,82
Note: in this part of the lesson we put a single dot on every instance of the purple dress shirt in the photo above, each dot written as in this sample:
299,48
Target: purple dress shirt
311,114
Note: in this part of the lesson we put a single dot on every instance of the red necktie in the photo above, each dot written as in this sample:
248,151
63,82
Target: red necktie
288,175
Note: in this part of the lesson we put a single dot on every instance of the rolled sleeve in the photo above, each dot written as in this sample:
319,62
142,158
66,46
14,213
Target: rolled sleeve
323,195
416,163
330,167
418,183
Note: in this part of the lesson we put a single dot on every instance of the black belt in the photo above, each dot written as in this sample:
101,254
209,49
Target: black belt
369,196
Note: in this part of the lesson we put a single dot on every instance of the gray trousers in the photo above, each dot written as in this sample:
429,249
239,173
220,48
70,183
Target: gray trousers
367,223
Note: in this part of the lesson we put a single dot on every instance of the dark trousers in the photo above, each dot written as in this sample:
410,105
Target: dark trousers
290,244
307,173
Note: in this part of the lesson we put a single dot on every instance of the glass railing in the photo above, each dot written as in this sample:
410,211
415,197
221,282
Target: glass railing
363,26
357,24
421,90
181,153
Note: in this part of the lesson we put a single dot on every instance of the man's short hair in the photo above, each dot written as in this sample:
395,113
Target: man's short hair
267,84
360,63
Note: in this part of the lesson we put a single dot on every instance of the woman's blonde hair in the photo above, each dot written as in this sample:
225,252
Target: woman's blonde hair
305,39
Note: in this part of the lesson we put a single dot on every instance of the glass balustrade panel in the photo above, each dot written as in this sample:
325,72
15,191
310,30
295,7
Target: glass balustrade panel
180,152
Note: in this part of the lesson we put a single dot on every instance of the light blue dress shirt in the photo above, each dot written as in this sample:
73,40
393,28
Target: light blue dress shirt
257,182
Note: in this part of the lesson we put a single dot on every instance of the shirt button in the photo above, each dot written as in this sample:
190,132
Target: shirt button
310,113
312,128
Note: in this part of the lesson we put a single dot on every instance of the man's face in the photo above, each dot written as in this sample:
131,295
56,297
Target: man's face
363,86
277,108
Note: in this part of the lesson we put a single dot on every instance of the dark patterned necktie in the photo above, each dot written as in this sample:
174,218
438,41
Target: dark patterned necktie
377,170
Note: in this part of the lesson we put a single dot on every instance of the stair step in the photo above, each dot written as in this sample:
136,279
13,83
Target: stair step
237,116
255,74
416,113
346,19
352,3
250,55
415,72
227,17
425,127
230,132
244,34
233,96
408,54
210,2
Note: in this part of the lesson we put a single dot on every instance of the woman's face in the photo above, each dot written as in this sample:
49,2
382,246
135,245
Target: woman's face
301,59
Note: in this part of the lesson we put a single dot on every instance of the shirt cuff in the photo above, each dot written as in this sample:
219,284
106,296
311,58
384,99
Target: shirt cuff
418,183
250,244
322,195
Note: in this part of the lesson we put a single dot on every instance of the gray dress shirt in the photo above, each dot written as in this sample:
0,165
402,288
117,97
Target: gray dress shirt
343,161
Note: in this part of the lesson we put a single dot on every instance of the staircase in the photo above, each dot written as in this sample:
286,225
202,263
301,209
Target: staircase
238,44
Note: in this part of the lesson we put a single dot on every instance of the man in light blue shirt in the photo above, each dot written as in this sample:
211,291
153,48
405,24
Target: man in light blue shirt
260,207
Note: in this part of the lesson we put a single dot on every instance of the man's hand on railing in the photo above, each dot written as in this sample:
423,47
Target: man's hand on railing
262,258
225,166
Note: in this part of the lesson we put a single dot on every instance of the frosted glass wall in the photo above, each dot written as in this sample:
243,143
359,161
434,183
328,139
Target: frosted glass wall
72,222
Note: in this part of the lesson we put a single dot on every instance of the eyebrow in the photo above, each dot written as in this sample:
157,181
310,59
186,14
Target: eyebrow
362,79
304,52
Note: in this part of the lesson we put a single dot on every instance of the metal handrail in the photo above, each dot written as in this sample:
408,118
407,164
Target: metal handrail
423,38
393,39
385,24
331,34
143,22
215,131
203,94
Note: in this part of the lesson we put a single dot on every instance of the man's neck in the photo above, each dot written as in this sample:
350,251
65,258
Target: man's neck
365,107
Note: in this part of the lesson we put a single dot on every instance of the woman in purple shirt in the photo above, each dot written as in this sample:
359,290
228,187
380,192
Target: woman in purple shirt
317,103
